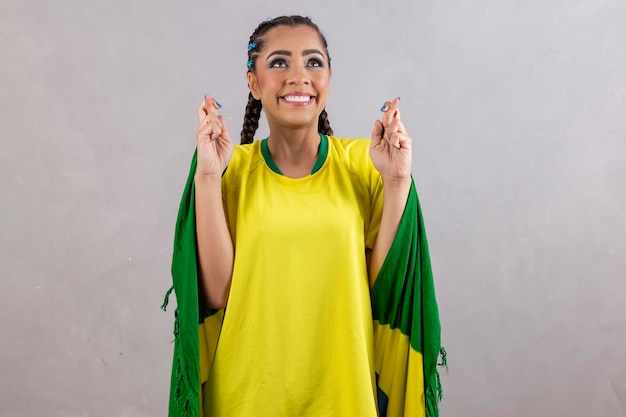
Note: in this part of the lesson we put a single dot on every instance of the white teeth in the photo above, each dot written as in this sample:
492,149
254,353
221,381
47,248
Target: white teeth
297,99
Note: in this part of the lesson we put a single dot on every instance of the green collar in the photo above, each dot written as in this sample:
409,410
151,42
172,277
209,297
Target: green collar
321,156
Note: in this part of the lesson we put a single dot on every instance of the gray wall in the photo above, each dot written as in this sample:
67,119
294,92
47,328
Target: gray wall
518,114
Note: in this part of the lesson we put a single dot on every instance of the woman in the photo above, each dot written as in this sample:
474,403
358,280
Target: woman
292,232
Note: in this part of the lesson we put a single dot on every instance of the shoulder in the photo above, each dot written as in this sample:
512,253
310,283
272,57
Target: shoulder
353,153
354,156
350,144
243,153
245,159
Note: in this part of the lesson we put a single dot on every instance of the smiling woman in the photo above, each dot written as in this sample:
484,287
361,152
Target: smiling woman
290,76
303,255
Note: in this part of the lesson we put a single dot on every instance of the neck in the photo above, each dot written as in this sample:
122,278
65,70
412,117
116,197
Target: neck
294,150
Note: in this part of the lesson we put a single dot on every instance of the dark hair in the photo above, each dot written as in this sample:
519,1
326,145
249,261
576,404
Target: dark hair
254,106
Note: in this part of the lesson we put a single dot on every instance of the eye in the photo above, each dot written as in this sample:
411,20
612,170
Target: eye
315,63
278,63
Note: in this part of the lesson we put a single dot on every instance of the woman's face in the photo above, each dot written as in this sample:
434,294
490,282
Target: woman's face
292,76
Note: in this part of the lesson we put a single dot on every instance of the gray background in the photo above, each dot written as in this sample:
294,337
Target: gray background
517,110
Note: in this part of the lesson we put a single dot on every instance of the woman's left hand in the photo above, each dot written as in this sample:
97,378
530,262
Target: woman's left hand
390,149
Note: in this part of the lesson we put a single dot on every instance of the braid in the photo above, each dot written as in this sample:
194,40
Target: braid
257,39
323,125
250,119
255,46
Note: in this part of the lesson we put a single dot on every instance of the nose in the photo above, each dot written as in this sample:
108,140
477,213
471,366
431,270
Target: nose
298,76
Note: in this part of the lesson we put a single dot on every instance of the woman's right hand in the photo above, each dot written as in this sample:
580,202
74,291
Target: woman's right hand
215,147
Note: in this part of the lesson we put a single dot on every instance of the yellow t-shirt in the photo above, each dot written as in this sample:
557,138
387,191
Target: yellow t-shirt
296,339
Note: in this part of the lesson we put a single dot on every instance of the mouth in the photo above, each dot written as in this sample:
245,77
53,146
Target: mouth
298,99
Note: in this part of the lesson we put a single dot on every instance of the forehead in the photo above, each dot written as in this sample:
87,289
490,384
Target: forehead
292,38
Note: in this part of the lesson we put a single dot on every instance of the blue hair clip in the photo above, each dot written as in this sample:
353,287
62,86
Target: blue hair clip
249,63
269,19
251,46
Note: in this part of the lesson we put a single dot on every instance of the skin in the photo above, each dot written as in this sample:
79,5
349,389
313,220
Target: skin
293,62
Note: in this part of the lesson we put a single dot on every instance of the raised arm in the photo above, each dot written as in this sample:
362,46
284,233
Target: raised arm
215,246
390,151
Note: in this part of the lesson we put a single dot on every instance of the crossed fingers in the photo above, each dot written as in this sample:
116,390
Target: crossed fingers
210,122
393,128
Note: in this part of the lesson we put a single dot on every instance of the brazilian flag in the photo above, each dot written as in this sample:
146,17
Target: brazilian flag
405,318
406,323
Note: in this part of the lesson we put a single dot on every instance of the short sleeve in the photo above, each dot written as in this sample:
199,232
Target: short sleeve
376,209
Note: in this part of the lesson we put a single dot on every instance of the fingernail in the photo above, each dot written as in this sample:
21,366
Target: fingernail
384,107
399,98
217,103
204,96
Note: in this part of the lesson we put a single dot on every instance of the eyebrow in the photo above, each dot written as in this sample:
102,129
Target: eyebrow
288,53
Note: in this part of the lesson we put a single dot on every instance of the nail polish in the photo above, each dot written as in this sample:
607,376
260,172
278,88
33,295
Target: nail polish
217,103
384,107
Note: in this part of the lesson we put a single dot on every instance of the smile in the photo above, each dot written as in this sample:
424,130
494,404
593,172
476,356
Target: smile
298,99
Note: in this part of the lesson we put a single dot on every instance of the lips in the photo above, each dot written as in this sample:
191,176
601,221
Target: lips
298,98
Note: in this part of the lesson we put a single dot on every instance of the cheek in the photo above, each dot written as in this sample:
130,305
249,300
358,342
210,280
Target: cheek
321,82
267,82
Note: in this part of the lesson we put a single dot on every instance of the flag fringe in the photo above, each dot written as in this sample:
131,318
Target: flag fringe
166,300
434,391
444,358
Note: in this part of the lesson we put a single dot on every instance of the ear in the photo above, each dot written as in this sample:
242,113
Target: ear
253,85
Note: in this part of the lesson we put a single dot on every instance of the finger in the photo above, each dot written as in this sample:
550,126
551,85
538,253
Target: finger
216,131
385,107
377,133
223,127
220,130
390,109
202,112
396,125
209,106
212,104
209,127
400,141
389,131
396,105
207,130
394,140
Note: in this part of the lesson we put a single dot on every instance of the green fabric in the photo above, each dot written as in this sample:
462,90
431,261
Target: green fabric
265,150
321,155
403,296
407,303
185,382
